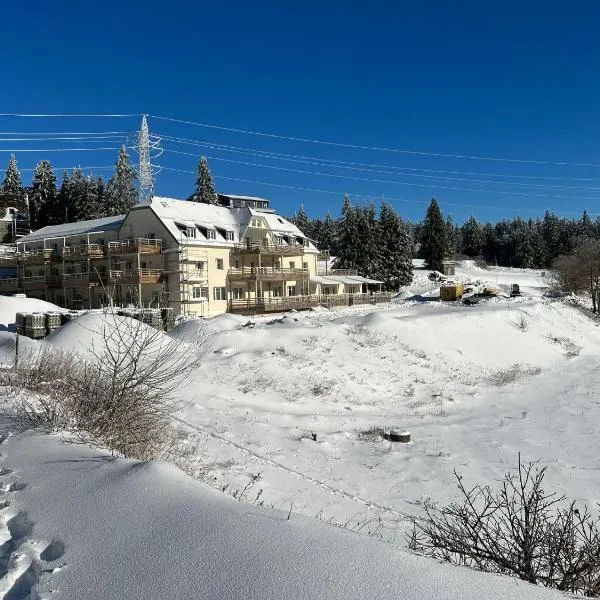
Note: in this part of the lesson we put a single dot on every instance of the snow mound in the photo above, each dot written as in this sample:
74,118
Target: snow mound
192,331
8,347
86,334
11,305
173,537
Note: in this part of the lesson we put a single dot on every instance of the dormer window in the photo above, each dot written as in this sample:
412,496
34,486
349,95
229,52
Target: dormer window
211,234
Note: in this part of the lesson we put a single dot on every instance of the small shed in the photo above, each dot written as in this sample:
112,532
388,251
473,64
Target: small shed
448,267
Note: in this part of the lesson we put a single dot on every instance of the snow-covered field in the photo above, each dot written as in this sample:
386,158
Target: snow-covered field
475,386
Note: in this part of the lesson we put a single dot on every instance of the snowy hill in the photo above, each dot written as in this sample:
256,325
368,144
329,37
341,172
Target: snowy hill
83,525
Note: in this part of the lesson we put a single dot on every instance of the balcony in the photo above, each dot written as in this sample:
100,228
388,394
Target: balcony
268,248
267,274
33,282
135,246
333,272
34,257
135,276
77,279
83,251
10,284
266,305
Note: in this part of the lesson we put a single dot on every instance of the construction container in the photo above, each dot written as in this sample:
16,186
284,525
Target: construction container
66,317
20,320
451,292
515,290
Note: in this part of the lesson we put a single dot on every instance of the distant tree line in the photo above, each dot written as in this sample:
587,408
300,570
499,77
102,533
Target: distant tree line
364,242
80,197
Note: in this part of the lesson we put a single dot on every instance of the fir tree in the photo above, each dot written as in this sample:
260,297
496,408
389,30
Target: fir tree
84,196
328,234
205,188
472,237
62,211
347,235
12,185
301,221
434,247
42,195
121,194
451,236
395,267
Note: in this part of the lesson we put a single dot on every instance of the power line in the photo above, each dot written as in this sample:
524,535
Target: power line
70,115
65,132
373,148
217,146
436,177
366,196
56,149
65,168
100,138
383,181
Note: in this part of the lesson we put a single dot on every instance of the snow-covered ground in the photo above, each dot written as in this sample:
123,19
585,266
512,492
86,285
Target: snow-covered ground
77,524
475,386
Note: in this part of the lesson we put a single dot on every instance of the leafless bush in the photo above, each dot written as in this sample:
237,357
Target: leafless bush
569,347
501,377
121,397
519,530
373,434
521,323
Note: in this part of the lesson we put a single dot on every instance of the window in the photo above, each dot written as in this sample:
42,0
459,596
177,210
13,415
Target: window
190,232
292,264
151,236
220,264
326,291
200,266
291,290
229,236
197,292
211,234
219,293
277,292
143,265
305,265
238,293
279,239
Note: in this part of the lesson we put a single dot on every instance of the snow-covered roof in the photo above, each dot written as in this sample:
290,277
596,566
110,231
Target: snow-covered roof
342,279
361,279
277,223
211,216
192,214
79,228
238,197
322,280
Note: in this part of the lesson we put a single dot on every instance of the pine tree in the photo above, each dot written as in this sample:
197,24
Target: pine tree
205,188
301,221
472,237
347,236
328,234
12,185
368,242
42,196
434,247
84,196
121,194
62,210
395,267
451,236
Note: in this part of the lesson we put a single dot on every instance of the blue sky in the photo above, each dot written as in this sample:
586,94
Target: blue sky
511,80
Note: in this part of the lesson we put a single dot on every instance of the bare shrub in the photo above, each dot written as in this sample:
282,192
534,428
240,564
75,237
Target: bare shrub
569,347
521,323
512,374
519,530
121,397
373,434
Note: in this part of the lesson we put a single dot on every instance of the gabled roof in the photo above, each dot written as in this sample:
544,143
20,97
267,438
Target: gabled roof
79,228
189,214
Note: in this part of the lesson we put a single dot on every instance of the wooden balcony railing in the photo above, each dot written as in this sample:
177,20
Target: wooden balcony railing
75,279
267,274
83,251
265,305
135,276
333,272
135,246
34,281
265,247
9,283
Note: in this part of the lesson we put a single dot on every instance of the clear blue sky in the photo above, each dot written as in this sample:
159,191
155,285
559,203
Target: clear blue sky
515,80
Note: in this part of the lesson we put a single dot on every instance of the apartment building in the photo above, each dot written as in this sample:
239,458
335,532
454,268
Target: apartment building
200,259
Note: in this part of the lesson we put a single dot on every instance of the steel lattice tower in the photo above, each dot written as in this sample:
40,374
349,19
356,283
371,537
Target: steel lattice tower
145,170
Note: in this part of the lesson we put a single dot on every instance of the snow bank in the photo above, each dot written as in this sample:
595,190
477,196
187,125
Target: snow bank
11,305
86,334
89,526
